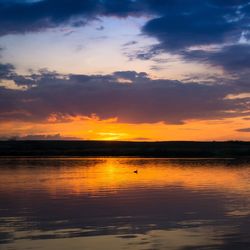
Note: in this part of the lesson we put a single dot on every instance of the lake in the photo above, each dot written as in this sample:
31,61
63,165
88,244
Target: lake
101,203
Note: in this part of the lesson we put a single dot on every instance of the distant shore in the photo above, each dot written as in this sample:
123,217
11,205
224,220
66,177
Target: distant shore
171,149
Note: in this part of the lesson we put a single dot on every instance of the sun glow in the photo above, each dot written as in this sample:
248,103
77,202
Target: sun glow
93,128
109,136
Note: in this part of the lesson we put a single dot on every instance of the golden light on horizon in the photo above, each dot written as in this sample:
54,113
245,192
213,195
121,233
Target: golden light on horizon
111,129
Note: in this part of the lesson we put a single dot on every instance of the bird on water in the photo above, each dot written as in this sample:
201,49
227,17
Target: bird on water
136,171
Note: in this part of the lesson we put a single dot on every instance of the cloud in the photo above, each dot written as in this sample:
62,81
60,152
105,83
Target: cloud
100,28
26,16
130,43
178,25
176,32
143,100
141,139
6,71
32,16
232,58
54,137
183,24
247,130
130,75
195,22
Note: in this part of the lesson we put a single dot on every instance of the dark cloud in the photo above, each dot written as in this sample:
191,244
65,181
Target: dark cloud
55,137
100,28
143,100
130,43
129,75
181,25
6,71
176,32
25,16
176,24
141,139
244,130
29,16
123,8
232,58
194,21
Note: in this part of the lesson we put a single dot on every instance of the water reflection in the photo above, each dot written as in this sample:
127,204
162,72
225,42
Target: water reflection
101,203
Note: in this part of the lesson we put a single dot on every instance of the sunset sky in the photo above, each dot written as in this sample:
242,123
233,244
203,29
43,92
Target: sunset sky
142,70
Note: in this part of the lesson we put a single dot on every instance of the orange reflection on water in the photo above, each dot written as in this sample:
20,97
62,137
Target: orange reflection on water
109,175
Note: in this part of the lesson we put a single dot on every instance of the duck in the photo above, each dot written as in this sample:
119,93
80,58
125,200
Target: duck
136,171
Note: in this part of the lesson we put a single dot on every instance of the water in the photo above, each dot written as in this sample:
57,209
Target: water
100,203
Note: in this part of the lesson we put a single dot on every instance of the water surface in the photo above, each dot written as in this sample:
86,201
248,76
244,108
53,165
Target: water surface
100,203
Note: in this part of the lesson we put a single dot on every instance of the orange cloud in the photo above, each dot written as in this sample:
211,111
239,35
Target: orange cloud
93,128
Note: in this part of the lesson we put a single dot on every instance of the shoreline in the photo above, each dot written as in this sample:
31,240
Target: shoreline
88,149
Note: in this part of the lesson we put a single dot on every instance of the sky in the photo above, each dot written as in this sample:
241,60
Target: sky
139,70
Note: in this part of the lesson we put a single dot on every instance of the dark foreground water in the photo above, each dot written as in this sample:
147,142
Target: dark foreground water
100,203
